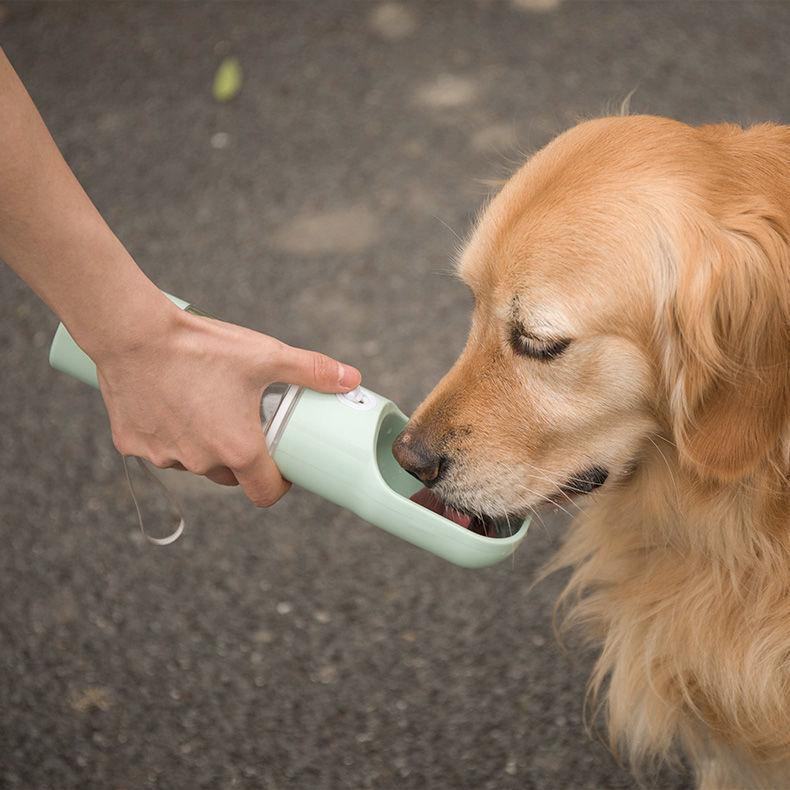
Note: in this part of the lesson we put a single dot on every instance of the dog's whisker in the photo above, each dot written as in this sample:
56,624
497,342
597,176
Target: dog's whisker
559,486
669,470
454,232
543,474
536,495
538,516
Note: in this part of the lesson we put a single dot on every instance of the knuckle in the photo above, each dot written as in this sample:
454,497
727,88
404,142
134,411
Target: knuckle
323,367
196,465
241,455
122,443
275,353
159,460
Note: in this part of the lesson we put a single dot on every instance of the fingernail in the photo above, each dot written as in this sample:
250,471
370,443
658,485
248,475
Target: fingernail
346,377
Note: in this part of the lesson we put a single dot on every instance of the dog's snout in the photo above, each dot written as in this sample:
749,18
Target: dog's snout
419,460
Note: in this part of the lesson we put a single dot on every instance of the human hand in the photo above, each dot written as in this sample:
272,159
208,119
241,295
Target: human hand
186,393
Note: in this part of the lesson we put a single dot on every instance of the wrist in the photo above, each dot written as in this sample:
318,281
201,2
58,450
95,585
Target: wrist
125,322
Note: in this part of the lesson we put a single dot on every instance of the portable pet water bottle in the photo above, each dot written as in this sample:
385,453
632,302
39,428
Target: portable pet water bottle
340,447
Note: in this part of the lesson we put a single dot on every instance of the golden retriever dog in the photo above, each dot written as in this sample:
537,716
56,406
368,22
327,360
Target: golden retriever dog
631,341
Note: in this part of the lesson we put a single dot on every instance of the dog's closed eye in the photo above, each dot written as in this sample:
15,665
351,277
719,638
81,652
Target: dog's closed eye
526,344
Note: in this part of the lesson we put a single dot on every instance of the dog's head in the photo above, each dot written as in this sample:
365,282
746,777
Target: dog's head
631,279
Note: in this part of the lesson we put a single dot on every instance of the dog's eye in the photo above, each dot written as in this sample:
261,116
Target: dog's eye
527,345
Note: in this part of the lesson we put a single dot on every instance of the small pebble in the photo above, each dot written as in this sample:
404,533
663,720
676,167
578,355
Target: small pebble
91,698
327,674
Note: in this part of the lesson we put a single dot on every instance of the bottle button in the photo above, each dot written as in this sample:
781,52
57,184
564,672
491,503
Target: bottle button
355,396
358,398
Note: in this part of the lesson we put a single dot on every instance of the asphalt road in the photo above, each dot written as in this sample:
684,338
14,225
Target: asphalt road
302,648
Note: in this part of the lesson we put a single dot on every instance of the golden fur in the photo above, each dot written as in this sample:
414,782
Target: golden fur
661,251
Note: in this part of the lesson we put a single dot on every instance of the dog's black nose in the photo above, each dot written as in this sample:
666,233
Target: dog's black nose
417,459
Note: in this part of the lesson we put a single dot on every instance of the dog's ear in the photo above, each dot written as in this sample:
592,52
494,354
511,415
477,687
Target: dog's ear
727,363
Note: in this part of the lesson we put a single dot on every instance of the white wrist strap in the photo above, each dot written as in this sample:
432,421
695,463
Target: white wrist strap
175,535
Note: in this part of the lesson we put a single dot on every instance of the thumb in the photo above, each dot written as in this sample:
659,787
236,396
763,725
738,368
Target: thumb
317,371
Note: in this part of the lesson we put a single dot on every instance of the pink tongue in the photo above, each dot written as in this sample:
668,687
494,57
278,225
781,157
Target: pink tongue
428,499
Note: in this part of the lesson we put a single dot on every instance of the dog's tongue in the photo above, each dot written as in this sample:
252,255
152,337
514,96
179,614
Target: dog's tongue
428,499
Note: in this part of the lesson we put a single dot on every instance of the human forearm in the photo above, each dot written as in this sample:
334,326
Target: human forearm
180,390
54,238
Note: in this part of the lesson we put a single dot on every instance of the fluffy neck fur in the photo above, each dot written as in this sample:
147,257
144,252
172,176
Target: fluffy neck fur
685,585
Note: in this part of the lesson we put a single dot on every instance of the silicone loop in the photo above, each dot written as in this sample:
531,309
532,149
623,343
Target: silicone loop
176,534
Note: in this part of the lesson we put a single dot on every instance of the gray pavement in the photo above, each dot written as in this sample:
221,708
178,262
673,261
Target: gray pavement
302,648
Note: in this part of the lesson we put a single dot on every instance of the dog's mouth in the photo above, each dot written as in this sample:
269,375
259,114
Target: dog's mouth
584,482
487,526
